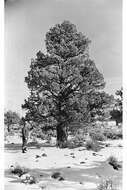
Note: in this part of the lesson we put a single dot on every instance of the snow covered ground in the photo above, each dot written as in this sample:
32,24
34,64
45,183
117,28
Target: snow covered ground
80,168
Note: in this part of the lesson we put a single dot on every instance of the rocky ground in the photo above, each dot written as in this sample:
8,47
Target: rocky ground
80,169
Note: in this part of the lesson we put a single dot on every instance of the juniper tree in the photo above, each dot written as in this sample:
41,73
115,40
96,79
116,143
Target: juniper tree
11,118
60,80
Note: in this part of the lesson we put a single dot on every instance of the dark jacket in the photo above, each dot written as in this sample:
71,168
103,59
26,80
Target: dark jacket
25,132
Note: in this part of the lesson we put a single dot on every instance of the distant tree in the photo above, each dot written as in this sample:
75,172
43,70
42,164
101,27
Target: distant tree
117,112
60,81
119,101
11,118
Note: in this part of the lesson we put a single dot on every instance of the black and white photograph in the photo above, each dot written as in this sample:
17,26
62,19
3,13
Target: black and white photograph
63,95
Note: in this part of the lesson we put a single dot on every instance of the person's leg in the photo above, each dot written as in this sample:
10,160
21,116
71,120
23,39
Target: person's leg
24,145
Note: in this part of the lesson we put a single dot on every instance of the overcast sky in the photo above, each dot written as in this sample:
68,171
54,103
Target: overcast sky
27,21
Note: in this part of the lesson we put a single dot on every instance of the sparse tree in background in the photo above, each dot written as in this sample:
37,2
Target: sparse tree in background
117,112
119,101
11,118
61,81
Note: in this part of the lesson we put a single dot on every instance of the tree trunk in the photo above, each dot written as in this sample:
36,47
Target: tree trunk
61,136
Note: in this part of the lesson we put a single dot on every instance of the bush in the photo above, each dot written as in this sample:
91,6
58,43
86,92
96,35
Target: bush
113,134
97,135
22,172
114,162
74,143
56,175
92,145
18,170
108,134
79,137
105,184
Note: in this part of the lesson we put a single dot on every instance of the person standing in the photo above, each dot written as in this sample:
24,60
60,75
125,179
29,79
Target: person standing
25,134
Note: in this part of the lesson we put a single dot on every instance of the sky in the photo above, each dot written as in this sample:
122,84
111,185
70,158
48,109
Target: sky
26,23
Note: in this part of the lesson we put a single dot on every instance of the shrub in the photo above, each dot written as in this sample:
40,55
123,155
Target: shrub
92,145
18,170
74,143
79,137
105,184
22,172
56,175
114,162
97,135
113,134
108,134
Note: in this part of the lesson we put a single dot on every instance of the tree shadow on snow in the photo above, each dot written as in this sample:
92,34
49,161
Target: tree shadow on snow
91,175
31,145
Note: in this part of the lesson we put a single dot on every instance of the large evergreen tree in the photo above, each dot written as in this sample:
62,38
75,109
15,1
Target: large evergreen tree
61,80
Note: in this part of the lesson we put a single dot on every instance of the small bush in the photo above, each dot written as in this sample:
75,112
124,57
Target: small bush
22,172
97,135
113,134
74,143
114,162
92,145
56,175
105,184
79,136
18,170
